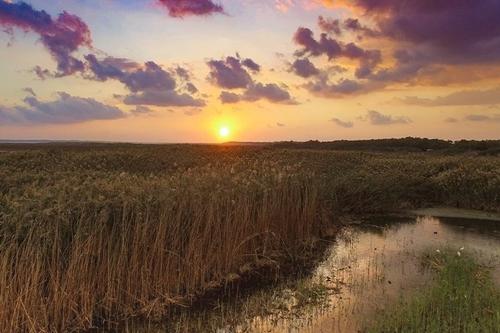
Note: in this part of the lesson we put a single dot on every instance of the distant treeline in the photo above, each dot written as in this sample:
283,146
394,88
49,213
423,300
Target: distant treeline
408,144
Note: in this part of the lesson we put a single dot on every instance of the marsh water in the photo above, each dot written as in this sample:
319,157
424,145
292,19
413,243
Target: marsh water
368,269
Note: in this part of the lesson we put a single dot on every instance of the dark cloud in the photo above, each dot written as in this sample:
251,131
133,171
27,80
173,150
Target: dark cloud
304,37
332,48
191,88
149,84
151,76
61,36
251,65
329,25
231,73
257,91
304,68
434,41
182,8
458,29
466,98
270,91
377,118
30,91
227,97
483,118
354,25
341,123
163,98
65,109
344,87
183,73
141,110
228,73
42,73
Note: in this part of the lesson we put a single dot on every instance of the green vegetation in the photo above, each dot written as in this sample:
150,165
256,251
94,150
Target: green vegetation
91,235
462,299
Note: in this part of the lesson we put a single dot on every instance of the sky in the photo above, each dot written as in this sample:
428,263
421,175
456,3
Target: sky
249,70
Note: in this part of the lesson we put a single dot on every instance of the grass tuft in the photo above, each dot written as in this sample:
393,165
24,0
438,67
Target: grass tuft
462,299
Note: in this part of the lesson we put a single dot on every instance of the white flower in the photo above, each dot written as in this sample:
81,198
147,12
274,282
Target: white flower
438,251
462,248
459,254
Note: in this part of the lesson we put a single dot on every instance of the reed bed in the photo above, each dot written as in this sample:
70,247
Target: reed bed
91,236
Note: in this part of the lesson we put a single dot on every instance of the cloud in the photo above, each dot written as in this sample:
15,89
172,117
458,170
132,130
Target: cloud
304,68
329,25
280,125
251,65
231,73
377,118
65,109
257,91
163,98
270,91
344,87
182,8
483,118
141,110
30,91
332,48
228,73
460,98
227,97
430,41
61,36
341,123
149,84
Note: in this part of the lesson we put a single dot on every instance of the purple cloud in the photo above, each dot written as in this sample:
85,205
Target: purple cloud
460,98
341,123
227,97
329,25
182,8
65,109
251,65
379,119
270,91
304,68
163,98
228,73
149,84
62,36
257,91
368,59
483,118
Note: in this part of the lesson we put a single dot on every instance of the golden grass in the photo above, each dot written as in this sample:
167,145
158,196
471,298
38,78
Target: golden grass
93,236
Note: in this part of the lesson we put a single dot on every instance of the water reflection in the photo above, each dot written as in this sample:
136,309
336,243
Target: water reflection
369,268
374,265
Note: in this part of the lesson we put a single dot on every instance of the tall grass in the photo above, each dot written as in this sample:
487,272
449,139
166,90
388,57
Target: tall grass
76,255
92,236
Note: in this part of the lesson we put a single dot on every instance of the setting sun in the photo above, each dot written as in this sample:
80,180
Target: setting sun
224,132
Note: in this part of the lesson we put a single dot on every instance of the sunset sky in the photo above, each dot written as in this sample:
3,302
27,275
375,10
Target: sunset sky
249,70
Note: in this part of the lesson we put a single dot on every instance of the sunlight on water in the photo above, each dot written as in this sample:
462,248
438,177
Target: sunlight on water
371,267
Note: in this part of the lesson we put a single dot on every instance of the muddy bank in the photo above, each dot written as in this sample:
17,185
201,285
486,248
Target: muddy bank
456,213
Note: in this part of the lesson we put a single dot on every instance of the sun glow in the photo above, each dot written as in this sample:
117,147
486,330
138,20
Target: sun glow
224,132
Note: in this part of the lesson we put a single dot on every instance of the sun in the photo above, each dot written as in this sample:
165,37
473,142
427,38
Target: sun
224,132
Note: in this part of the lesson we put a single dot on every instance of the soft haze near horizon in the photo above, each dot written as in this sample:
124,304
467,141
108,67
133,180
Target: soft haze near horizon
262,70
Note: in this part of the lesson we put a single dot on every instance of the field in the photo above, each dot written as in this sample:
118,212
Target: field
92,235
